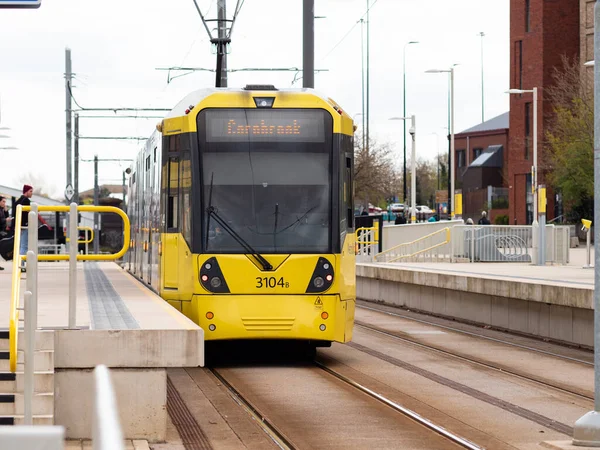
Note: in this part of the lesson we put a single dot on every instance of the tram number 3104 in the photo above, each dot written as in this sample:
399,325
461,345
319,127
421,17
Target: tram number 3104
271,282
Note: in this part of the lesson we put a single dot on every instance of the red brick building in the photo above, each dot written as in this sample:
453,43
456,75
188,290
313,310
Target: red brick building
541,33
482,162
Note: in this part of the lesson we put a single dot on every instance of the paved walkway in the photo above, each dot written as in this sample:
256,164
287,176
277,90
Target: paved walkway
561,275
107,298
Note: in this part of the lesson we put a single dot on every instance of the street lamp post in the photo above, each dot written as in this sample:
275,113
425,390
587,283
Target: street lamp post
437,143
363,130
413,165
451,156
404,111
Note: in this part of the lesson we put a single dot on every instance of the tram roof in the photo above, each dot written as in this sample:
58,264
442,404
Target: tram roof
195,97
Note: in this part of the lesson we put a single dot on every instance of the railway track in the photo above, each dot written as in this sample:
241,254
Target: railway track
402,410
476,361
262,421
477,335
279,437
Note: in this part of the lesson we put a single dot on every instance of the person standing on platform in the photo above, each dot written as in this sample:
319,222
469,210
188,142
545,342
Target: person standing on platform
484,220
24,200
5,220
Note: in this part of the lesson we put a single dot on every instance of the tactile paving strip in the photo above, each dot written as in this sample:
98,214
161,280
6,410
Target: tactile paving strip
107,309
191,434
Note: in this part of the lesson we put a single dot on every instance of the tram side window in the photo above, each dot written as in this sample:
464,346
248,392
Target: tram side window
173,194
186,192
348,197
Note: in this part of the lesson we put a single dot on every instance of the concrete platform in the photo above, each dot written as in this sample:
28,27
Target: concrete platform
553,302
121,324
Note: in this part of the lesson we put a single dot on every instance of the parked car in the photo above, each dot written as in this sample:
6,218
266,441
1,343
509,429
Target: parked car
425,209
397,207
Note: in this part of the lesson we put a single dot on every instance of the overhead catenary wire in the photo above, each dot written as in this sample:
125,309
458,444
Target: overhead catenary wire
81,108
349,31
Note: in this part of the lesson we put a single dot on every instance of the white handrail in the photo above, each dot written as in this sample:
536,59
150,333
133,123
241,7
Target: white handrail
106,428
30,301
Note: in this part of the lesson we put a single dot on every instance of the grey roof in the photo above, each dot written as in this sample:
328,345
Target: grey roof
495,123
490,157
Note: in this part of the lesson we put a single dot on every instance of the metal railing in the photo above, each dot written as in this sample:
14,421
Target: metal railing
507,243
30,296
432,247
106,428
367,241
86,241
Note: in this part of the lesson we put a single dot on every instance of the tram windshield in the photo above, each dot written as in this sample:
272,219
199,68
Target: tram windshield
268,174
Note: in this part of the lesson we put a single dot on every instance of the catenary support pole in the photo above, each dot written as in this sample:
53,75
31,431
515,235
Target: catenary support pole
73,266
413,169
452,155
308,46
68,109
76,160
222,33
586,431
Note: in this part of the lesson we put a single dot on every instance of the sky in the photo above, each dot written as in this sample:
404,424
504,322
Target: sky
117,46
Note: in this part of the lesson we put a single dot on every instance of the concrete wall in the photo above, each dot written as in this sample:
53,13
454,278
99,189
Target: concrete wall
137,360
399,234
141,396
556,312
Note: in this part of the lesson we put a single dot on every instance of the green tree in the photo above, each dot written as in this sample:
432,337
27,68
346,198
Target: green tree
375,179
570,138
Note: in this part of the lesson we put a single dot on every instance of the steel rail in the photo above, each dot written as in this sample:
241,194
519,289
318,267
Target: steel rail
401,409
503,370
265,424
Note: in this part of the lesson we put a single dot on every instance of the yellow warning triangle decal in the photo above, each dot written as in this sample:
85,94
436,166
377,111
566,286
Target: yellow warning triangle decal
318,302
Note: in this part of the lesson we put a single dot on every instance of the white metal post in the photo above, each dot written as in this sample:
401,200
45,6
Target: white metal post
588,246
73,265
106,428
413,169
32,263
452,155
29,356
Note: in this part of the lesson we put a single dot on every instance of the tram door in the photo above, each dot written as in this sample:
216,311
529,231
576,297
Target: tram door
148,218
170,257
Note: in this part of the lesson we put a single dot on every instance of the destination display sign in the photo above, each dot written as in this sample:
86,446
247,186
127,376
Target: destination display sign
265,126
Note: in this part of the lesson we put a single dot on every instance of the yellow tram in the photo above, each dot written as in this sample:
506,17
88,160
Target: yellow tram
241,208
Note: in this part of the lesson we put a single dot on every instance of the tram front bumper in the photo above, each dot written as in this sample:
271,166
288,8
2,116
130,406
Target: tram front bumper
310,317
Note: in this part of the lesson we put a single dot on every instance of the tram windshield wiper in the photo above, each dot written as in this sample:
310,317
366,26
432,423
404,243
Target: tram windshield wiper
212,212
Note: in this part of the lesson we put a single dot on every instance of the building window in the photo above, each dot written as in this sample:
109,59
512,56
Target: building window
460,158
520,64
476,153
527,17
527,129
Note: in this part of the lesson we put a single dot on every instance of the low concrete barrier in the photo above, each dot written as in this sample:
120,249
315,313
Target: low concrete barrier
558,312
137,359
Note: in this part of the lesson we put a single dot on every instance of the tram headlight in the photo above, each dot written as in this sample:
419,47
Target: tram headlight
322,277
319,282
211,277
